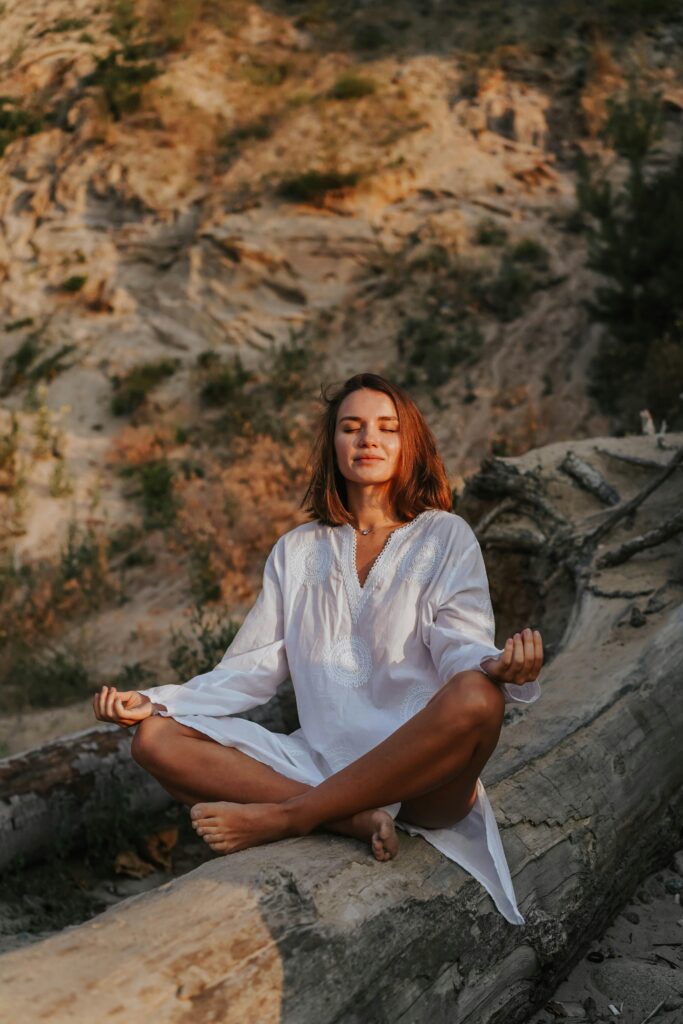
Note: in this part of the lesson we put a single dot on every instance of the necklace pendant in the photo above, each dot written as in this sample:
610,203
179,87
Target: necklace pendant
364,532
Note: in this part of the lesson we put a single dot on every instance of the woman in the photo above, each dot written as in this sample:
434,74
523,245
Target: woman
379,610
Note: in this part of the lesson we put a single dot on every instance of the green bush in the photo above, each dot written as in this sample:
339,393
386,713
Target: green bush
351,86
73,283
635,240
69,24
436,347
490,233
369,36
16,325
121,78
264,74
17,122
49,679
223,385
200,649
130,391
158,499
16,366
507,293
528,250
313,186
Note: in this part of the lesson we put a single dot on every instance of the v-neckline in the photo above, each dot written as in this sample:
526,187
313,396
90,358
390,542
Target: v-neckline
357,594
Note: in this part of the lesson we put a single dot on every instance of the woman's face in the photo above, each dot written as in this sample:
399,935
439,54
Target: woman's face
366,439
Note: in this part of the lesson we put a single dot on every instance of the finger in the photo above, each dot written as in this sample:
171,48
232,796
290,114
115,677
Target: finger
538,652
133,714
506,656
111,697
529,653
102,701
518,657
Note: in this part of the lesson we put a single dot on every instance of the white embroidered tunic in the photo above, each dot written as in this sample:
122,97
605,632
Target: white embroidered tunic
363,660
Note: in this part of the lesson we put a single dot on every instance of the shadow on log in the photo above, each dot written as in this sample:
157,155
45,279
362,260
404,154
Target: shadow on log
585,784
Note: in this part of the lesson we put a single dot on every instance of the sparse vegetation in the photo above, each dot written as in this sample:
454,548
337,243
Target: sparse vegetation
131,391
351,86
635,240
120,76
73,283
16,121
313,186
48,679
156,479
435,348
490,233
202,647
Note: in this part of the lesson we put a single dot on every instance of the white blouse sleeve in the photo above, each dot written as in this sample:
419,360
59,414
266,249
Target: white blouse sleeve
251,669
462,632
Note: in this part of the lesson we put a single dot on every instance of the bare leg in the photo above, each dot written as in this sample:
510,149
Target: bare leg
193,768
442,748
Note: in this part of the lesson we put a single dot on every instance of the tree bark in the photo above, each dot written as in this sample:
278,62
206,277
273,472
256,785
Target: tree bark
586,785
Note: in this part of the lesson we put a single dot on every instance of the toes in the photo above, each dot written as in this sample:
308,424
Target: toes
199,811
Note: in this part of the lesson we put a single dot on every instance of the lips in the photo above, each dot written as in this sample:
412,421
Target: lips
368,458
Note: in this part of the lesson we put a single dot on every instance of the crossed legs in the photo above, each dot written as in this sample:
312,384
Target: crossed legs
431,764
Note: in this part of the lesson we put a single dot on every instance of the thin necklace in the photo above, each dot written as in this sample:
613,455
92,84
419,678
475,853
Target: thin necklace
371,528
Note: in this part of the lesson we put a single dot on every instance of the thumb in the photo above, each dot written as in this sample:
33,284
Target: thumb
136,713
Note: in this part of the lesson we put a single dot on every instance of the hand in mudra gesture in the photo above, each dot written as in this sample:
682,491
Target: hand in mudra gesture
520,661
123,707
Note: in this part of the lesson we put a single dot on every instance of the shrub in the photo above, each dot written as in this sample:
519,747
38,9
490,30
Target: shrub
635,239
351,86
16,122
265,74
130,391
528,250
436,347
49,679
73,283
223,385
507,293
313,186
16,365
490,233
369,36
203,647
120,78
158,499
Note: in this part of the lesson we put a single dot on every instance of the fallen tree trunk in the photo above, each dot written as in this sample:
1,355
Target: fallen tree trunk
585,784
50,795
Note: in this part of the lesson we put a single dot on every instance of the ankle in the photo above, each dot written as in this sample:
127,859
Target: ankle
297,821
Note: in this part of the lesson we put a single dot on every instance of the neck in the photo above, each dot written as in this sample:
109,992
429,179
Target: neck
370,512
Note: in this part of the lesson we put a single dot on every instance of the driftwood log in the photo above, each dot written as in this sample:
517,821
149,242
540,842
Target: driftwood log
585,784
50,795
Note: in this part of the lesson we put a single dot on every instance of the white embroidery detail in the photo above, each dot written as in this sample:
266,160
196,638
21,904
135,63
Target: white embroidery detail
348,661
415,700
419,563
358,595
339,755
311,561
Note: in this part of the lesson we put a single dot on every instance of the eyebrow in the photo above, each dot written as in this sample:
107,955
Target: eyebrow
360,417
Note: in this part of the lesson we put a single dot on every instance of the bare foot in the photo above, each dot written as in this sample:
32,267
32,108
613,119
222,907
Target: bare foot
228,827
379,830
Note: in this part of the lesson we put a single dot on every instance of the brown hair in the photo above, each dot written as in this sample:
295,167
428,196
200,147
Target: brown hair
420,482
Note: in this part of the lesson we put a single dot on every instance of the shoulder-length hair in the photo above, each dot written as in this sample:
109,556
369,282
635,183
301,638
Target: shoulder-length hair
420,482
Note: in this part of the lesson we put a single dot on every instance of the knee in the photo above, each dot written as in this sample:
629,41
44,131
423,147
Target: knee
470,700
148,744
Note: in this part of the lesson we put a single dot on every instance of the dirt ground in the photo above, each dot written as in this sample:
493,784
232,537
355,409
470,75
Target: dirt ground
634,972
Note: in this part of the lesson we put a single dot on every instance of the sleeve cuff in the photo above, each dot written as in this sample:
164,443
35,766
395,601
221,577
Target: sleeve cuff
522,693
